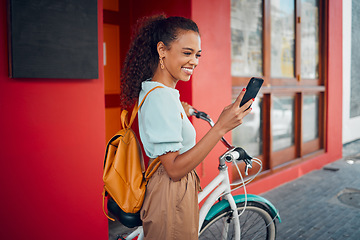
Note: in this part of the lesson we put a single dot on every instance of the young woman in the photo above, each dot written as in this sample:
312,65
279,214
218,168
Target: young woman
165,51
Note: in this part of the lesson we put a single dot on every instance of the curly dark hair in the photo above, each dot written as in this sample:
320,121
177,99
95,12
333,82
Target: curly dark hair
142,58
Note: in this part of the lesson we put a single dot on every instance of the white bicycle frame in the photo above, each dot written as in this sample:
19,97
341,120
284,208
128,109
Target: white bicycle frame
221,184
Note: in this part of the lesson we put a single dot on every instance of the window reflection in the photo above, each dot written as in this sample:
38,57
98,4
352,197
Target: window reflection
282,122
249,134
310,118
246,37
309,39
282,38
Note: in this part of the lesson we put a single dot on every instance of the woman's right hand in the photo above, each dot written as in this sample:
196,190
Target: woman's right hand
232,115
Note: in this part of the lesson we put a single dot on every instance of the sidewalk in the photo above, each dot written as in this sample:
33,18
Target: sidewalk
323,204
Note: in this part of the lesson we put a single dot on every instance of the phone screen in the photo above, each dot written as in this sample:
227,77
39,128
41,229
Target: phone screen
252,89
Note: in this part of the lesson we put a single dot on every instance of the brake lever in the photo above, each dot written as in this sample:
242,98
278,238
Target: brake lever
247,169
248,164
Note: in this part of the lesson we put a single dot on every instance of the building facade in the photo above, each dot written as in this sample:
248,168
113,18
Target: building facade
54,131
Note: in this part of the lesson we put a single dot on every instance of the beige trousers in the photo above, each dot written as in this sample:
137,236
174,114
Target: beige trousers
170,210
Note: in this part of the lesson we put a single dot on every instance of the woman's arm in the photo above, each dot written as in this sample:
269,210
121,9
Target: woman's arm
178,165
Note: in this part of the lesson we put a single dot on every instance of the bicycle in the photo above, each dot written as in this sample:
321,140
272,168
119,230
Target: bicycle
244,216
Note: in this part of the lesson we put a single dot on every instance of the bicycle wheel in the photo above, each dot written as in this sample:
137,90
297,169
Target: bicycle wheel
255,223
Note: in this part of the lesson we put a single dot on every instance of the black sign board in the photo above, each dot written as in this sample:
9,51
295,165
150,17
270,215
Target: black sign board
53,39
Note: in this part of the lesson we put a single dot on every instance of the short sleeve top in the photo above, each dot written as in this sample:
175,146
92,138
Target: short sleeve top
163,124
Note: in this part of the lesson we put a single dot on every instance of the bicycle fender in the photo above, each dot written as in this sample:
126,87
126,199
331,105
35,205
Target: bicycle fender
239,199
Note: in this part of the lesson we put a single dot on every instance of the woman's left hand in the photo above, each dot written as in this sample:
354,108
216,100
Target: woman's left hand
186,107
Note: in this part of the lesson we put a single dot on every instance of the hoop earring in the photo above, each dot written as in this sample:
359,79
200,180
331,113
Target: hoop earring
161,63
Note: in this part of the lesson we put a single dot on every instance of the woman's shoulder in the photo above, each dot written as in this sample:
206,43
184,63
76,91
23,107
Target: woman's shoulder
160,93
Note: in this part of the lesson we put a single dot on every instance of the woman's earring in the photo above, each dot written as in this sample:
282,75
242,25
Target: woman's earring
161,63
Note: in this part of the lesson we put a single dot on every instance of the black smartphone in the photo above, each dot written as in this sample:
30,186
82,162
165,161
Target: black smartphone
252,89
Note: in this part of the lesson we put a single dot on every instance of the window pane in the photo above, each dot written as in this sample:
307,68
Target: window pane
309,39
310,118
282,38
282,122
355,60
249,134
246,37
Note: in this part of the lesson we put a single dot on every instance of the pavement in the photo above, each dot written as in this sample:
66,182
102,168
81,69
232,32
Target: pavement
323,204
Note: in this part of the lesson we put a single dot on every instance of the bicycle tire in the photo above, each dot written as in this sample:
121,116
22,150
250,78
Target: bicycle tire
255,223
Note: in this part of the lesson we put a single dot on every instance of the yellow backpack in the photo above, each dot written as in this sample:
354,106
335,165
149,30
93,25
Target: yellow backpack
124,175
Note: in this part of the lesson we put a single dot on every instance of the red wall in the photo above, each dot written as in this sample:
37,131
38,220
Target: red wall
52,146
211,86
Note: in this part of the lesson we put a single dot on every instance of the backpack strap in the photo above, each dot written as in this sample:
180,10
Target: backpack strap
138,106
103,205
154,165
124,119
126,124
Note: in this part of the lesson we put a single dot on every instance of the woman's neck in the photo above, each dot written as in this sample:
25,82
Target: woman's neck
163,76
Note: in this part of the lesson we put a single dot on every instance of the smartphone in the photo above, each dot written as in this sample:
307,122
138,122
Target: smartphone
252,89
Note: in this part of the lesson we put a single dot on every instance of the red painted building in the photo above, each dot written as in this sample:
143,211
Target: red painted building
53,131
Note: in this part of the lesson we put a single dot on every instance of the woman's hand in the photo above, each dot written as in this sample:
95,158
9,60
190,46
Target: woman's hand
232,115
186,107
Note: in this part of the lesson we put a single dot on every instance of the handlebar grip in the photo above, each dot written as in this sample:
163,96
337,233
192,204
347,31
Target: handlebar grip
242,154
232,155
238,154
192,111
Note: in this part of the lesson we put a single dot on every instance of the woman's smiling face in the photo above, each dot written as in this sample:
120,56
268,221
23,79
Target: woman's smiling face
182,56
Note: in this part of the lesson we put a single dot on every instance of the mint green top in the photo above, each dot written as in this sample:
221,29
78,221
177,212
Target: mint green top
163,124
